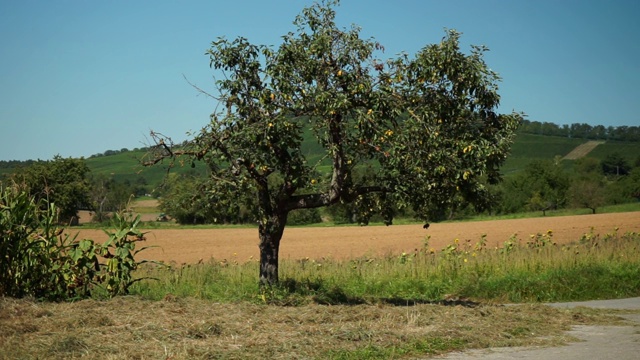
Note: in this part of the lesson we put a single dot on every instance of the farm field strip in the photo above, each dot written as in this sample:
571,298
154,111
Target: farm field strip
241,245
582,150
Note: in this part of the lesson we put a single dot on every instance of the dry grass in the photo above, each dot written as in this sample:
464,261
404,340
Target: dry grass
177,328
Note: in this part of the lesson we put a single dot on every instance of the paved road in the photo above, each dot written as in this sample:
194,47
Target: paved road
598,342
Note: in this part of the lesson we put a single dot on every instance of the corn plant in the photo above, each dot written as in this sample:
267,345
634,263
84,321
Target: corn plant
119,252
29,246
37,259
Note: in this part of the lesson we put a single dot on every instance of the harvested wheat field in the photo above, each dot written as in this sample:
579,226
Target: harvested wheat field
241,244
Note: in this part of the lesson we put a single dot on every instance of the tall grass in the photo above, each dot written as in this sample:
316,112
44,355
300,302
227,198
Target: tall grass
521,270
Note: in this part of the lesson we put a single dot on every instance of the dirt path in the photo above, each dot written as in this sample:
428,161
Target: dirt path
582,150
192,245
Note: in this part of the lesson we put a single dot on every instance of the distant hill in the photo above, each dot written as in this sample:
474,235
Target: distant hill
125,165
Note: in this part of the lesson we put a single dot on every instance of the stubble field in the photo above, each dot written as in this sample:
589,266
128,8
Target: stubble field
190,245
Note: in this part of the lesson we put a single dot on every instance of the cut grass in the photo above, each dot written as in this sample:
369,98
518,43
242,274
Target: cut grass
188,328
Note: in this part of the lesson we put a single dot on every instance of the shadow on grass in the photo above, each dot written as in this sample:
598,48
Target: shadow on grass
290,291
397,301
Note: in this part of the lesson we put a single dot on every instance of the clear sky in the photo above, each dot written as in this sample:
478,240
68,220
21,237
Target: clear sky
79,77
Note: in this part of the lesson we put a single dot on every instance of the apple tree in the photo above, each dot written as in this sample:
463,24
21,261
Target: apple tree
427,124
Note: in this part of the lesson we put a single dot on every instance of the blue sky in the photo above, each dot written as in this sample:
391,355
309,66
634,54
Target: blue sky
79,77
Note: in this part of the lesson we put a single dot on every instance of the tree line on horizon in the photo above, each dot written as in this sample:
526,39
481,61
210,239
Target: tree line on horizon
581,131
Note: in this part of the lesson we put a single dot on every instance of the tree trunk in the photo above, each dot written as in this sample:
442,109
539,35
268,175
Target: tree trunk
270,235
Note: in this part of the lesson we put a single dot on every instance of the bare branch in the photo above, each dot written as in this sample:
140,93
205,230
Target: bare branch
200,90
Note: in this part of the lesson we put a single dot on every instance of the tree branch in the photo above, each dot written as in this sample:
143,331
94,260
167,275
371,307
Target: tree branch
308,201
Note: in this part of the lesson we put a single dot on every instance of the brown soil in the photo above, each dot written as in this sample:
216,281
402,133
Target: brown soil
241,244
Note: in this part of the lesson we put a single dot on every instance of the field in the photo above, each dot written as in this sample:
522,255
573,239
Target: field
190,245
388,308
190,318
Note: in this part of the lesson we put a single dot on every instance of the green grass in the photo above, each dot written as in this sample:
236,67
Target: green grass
430,345
628,150
528,147
522,270
127,166
628,207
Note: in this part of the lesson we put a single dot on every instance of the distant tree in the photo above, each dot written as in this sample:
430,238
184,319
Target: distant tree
189,200
536,202
615,164
587,166
598,132
545,184
183,200
634,183
580,130
624,189
587,193
140,186
551,129
304,217
428,123
99,195
61,181
509,196
108,195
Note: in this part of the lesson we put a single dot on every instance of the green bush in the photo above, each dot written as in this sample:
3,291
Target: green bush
37,259
304,217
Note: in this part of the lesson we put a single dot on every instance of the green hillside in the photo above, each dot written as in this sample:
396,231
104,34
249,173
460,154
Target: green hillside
527,147
127,166
628,150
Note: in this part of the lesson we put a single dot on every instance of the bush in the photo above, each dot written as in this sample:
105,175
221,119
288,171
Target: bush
38,260
304,217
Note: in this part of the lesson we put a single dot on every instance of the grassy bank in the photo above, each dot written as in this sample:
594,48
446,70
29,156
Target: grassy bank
534,269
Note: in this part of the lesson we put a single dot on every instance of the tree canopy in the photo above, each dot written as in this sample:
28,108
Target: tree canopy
428,125
61,181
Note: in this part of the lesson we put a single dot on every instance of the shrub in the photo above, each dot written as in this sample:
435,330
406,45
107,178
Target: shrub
37,259
304,217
